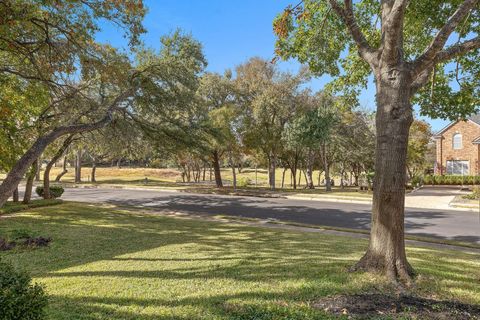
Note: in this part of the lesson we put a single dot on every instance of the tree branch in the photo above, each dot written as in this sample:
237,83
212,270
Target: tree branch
427,58
458,50
392,26
346,14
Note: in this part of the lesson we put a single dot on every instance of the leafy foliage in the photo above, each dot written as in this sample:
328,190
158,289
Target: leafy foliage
19,299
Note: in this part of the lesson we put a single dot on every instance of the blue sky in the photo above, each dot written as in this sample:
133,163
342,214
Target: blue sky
230,31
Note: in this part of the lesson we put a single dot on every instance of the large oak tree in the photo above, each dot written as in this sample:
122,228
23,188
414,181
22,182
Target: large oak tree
414,50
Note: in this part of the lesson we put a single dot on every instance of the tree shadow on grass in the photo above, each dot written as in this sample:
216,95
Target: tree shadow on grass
108,263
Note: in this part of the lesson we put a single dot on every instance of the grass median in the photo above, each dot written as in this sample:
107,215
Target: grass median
112,263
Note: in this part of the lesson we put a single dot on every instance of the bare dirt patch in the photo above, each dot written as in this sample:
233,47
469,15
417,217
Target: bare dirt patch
378,306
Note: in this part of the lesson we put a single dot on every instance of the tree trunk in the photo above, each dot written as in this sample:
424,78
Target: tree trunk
234,174
386,251
78,166
94,170
272,166
326,165
21,166
299,177
283,177
64,170
216,169
27,196
46,174
37,173
204,171
15,195
309,171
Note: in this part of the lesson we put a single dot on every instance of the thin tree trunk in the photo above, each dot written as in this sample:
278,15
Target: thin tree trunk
39,167
283,177
27,196
15,195
64,170
271,170
326,165
216,169
309,171
204,171
299,177
234,174
386,251
94,169
78,166
48,168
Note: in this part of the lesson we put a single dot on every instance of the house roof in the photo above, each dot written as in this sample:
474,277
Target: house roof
474,118
476,140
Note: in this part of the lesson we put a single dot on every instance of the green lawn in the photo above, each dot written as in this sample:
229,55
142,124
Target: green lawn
109,263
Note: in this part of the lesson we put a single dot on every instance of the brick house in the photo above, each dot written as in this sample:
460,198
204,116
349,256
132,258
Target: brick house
458,148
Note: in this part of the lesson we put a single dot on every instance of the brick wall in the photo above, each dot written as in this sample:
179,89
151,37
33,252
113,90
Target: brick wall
469,152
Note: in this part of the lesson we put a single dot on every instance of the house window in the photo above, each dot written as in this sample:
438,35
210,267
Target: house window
457,141
458,167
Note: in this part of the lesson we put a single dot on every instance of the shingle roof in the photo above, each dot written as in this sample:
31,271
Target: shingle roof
475,118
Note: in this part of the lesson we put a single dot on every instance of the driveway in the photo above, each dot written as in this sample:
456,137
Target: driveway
433,197
440,224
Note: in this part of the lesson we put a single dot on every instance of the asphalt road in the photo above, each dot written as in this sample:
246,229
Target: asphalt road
442,224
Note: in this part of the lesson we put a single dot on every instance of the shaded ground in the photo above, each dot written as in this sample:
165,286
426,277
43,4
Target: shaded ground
439,224
368,306
108,263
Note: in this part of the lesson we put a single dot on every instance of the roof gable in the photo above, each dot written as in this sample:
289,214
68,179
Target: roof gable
475,119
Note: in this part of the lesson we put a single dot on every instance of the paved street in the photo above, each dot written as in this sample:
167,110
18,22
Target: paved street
443,224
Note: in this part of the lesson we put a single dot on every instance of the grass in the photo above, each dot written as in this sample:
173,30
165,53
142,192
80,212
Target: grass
113,263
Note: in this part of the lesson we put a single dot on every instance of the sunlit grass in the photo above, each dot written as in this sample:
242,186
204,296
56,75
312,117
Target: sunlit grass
109,263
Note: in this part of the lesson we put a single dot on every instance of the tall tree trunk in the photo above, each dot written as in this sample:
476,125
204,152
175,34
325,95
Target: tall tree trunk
272,166
94,169
234,174
299,177
78,166
48,168
64,170
283,177
326,165
204,171
15,195
27,196
309,170
386,251
216,169
294,177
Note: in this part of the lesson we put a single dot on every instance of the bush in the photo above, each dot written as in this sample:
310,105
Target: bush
417,181
55,191
18,298
475,195
243,182
451,180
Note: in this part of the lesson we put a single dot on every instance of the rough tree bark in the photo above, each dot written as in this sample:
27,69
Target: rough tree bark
216,169
48,168
15,195
21,166
64,170
386,251
27,196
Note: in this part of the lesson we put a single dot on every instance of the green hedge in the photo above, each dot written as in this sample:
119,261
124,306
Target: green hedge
451,180
19,299
55,191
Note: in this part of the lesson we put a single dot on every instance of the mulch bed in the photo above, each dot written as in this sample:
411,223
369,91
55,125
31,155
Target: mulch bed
28,242
378,306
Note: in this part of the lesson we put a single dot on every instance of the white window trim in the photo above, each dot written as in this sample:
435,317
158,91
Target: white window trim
457,135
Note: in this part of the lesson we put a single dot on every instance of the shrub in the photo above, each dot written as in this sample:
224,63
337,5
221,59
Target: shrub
55,191
243,182
19,299
475,195
417,181
451,180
